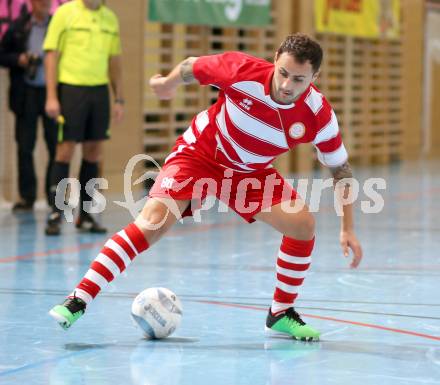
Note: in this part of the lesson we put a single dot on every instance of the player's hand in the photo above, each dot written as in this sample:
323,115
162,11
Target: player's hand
23,60
349,241
53,109
161,88
118,112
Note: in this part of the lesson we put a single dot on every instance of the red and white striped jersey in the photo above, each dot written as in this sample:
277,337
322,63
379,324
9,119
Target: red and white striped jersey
245,129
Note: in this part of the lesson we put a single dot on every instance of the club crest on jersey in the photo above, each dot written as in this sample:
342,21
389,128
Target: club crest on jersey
246,104
297,130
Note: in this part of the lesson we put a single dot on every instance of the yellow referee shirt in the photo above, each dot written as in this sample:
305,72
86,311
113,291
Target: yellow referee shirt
85,39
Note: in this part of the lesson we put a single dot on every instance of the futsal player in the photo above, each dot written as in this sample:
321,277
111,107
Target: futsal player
263,110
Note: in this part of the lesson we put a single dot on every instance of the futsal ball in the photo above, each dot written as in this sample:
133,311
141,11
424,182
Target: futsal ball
157,311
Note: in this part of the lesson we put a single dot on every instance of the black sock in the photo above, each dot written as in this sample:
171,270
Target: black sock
59,171
89,170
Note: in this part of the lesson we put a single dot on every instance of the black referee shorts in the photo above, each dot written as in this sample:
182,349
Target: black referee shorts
86,111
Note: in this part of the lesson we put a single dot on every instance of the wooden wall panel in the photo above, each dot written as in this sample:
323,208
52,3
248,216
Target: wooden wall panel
374,86
126,138
434,123
362,78
412,76
8,159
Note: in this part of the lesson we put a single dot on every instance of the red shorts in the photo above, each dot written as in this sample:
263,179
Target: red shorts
189,176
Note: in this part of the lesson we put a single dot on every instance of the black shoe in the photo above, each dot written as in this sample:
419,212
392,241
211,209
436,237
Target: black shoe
53,226
87,224
23,206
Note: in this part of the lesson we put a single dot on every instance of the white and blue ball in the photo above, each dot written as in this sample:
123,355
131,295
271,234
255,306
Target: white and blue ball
157,311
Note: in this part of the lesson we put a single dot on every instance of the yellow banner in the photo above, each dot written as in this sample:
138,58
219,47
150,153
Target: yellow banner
364,18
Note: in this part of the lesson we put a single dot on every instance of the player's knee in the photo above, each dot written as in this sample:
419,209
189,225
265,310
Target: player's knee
64,152
308,226
302,226
63,157
92,152
154,220
92,157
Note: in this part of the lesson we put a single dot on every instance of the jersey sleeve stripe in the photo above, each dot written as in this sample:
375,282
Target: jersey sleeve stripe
333,159
330,130
331,144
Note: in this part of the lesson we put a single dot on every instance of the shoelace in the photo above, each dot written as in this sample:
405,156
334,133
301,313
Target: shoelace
74,304
294,316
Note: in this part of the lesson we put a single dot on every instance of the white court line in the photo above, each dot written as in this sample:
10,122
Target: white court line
340,330
432,356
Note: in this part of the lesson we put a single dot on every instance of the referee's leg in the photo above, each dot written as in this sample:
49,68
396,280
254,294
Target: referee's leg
91,152
60,170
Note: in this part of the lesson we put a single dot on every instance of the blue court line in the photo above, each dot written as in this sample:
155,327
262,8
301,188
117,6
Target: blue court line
43,362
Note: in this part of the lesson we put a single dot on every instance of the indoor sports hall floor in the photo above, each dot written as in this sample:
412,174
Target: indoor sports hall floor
380,323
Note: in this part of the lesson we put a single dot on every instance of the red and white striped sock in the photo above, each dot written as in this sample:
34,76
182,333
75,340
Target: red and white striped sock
292,265
113,259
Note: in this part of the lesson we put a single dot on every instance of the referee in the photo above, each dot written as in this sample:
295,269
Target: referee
83,54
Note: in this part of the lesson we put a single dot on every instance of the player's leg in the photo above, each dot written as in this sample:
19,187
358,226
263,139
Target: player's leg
292,264
91,155
169,200
50,137
74,109
156,218
96,131
60,170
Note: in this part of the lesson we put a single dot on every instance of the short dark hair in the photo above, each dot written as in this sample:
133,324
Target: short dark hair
302,48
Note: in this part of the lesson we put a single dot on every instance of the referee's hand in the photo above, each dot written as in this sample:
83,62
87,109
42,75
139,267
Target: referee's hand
118,112
53,108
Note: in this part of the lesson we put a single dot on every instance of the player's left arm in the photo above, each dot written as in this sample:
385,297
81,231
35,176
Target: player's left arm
115,72
347,237
165,86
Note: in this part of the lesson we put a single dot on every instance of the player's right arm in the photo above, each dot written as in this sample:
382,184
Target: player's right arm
165,86
51,70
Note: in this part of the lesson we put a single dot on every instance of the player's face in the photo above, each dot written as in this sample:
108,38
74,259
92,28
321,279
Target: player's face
41,7
94,4
290,78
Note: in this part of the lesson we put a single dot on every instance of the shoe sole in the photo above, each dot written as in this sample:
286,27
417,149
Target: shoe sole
22,211
63,322
91,231
277,333
52,233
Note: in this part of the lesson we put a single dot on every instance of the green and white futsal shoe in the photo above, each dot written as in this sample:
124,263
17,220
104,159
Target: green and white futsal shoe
68,312
290,322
